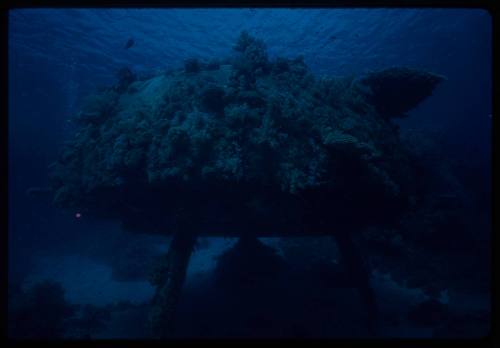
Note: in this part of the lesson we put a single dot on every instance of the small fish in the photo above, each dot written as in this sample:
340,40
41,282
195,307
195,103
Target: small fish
331,39
129,44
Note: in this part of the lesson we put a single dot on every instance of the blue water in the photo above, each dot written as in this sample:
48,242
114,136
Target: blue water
58,56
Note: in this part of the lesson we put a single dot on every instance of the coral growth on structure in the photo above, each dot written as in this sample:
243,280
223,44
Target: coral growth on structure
257,139
396,91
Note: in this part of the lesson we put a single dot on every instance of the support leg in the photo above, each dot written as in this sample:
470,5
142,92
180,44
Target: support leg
359,273
169,286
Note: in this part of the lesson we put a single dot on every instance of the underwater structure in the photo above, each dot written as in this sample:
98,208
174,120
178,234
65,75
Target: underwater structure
245,147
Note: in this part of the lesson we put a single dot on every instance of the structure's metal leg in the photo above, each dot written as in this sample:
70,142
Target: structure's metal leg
360,274
169,285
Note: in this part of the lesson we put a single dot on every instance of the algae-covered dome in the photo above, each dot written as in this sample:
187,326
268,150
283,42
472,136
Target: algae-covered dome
247,144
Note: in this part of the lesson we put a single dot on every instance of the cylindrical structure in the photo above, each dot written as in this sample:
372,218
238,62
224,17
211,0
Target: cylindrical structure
169,290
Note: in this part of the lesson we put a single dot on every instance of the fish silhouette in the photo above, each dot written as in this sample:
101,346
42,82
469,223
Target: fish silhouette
129,44
331,39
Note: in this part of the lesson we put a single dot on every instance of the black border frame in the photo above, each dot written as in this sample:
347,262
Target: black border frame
6,5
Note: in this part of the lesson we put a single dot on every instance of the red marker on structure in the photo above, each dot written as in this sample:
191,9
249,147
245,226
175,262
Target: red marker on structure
78,215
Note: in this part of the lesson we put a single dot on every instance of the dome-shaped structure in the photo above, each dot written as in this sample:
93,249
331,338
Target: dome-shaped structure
252,146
